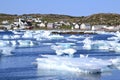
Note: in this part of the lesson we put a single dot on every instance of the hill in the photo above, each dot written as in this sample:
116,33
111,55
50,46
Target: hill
95,19
103,18
8,17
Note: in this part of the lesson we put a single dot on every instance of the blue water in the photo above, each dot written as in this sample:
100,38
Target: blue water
21,64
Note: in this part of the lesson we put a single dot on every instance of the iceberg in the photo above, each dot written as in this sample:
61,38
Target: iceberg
87,43
63,48
6,50
25,43
82,65
4,43
28,34
55,36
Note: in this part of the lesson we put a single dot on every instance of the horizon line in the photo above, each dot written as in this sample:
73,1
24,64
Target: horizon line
60,14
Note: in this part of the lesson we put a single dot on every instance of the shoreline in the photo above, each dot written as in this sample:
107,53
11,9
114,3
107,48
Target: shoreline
54,31
79,31
72,32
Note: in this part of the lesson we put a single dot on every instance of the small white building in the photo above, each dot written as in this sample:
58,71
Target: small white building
76,26
109,27
67,24
117,27
50,25
5,22
37,20
62,22
41,25
5,27
98,27
85,26
93,28
112,28
21,24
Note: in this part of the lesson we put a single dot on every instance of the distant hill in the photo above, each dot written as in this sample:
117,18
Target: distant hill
103,18
95,19
53,17
8,17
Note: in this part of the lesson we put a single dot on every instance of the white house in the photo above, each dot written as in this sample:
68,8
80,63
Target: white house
85,26
77,26
21,24
61,22
42,25
67,24
5,22
110,27
37,20
5,27
93,28
98,27
117,27
50,25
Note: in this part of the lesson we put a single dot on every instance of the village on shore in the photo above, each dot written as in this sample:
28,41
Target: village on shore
29,23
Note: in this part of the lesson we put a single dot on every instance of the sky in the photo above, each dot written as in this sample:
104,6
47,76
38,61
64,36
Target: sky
65,7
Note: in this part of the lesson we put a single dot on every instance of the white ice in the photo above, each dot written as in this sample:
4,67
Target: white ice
85,64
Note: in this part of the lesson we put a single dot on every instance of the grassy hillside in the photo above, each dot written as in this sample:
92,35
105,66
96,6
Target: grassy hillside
8,17
95,19
102,18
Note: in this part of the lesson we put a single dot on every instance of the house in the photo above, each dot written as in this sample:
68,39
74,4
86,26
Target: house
117,28
76,26
41,25
112,28
109,27
22,24
5,25
5,22
61,22
85,26
93,28
2,27
8,27
50,25
57,25
37,20
99,27
67,24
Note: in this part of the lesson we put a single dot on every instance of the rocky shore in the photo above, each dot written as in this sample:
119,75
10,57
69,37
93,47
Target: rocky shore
78,32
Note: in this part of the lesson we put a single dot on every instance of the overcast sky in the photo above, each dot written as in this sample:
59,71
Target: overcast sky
66,7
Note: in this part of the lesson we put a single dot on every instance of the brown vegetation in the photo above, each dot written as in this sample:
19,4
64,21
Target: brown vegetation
95,19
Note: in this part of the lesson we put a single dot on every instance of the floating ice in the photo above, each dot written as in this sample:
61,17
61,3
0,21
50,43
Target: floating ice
101,45
15,37
6,50
6,37
73,36
4,43
40,35
87,43
83,56
55,36
63,48
25,43
83,65
14,43
27,34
